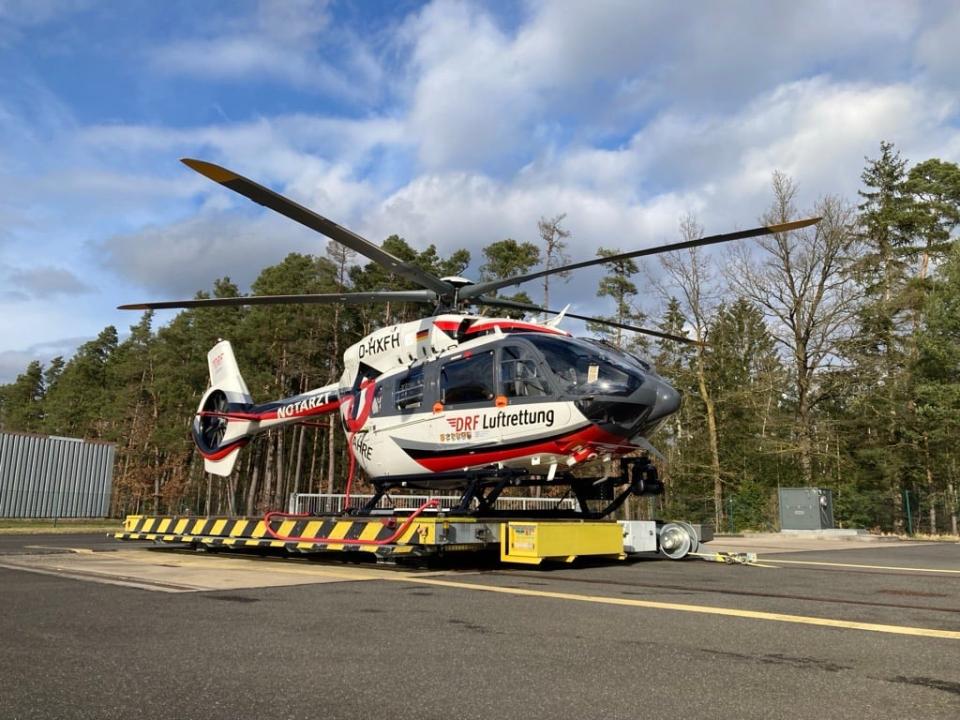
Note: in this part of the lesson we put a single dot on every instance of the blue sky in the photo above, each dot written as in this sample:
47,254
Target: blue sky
453,123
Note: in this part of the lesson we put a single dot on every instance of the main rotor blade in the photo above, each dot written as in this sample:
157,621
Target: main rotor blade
497,302
285,206
358,298
472,291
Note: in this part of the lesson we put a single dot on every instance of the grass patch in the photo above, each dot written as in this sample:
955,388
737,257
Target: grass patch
926,537
63,526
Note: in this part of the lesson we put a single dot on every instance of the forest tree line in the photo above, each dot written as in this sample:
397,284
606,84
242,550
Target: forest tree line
830,358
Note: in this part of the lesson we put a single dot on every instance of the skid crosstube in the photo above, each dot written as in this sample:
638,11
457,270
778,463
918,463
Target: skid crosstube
424,536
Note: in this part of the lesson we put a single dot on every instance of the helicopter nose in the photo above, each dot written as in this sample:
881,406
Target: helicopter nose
667,402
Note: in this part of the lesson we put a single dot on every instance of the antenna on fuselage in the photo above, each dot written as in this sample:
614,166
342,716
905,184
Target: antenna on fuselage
556,321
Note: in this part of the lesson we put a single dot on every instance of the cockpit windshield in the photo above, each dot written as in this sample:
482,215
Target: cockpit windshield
584,368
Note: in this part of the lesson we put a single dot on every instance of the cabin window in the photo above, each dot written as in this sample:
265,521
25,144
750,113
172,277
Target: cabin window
520,375
468,380
377,406
409,393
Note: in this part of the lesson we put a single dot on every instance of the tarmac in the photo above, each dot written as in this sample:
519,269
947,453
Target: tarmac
818,628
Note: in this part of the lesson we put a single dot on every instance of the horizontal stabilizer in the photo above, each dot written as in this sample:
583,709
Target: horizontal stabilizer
223,466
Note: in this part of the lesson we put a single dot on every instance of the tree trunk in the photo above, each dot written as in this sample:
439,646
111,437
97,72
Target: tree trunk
299,461
930,492
713,439
805,446
952,498
267,492
279,499
313,462
897,497
252,489
331,439
232,495
331,455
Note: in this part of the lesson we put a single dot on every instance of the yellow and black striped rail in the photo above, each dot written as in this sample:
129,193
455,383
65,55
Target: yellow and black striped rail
229,532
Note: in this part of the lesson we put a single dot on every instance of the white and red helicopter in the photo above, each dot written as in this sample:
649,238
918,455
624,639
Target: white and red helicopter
457,400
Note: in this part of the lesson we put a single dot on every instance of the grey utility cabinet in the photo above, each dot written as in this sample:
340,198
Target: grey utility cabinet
806,509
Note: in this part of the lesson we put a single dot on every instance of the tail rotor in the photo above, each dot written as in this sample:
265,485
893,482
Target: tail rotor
220,429
213,421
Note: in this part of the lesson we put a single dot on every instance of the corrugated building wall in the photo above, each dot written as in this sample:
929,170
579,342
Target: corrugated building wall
46,476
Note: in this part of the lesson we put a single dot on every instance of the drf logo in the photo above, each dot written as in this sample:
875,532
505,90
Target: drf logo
464,424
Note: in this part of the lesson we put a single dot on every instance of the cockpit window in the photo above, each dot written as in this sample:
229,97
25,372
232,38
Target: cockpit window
587,369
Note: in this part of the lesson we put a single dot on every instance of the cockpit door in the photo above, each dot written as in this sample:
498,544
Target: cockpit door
529,409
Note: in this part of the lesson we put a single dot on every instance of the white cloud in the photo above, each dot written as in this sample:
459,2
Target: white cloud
38,327
485,97
280,149
716,166
46,281
285,41
937,49
815,130
18,15
174,261
14,362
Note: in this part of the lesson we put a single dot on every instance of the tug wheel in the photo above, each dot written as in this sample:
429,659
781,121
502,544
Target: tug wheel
677,540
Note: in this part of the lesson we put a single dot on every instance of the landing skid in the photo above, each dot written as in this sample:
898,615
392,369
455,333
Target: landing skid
481,488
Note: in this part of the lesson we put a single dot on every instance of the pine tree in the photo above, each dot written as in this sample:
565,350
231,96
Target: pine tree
22,401
554,238
79,403
505,259
617,285
880,353
938,379
748,379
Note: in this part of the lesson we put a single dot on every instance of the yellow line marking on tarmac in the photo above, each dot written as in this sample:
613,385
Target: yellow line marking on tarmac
703,609
852,565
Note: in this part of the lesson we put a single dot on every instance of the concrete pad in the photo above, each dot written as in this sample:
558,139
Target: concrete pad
764,543
182,572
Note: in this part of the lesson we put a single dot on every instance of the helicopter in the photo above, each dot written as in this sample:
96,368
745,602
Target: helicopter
458,400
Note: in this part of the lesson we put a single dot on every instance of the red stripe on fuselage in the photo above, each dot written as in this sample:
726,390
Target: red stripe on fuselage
447,326
514,326
589,436
272,414
450,327
355,424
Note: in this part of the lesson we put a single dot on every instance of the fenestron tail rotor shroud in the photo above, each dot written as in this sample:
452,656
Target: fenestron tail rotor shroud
447,294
